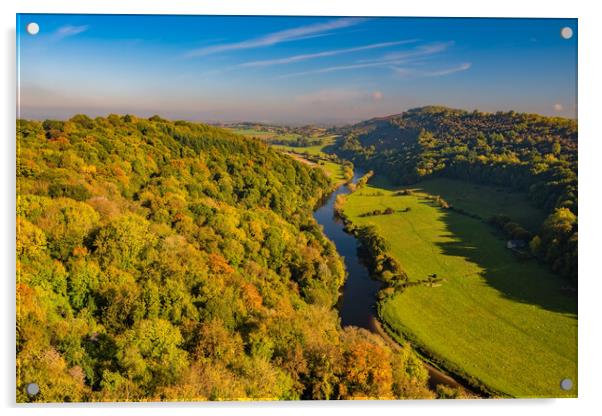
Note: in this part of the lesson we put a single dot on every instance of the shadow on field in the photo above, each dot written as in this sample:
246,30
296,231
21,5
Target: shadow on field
520,280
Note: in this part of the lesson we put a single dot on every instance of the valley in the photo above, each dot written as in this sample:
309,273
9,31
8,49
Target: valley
247,207
417,265
479,293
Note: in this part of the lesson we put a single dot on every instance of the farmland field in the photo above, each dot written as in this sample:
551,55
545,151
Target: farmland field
261,134
334,171
486,201
311,150
506,324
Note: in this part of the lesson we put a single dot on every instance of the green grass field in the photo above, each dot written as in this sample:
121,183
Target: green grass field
486,201
310,150
511,325
266,135
332,169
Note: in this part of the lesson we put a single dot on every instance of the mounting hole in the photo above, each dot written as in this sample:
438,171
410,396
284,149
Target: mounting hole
32,389
32,28
566,32
566,384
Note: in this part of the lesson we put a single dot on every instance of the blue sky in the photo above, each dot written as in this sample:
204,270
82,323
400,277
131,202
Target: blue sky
292,69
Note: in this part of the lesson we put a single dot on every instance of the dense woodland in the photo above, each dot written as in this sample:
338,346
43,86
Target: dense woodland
163,260
527,152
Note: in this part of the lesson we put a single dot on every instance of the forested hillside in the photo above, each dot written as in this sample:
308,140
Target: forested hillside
163,260
527,152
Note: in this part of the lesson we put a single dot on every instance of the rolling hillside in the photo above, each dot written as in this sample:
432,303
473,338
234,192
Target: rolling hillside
526,152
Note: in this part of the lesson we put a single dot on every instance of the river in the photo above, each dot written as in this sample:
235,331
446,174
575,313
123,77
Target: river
357,304
358,301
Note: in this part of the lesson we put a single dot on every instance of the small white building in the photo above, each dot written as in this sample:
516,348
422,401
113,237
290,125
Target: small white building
516,244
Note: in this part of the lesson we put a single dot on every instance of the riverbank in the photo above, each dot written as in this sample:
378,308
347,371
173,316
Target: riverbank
465,295
358,302
438,373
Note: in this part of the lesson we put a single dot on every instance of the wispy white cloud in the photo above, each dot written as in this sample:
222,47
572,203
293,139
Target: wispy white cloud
342,68
423,50
410,72
390,59
66,31
278,37
308,56
453,70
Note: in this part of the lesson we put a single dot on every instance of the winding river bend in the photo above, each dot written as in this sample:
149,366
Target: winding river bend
357,304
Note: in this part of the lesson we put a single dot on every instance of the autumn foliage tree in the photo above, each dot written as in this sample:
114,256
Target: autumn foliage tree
161,260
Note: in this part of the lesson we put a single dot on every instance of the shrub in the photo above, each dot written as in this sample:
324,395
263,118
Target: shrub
77,192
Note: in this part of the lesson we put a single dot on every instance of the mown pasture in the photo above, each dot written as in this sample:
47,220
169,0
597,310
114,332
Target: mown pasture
506,324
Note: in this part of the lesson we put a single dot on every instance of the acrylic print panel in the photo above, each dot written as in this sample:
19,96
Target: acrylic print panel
288,208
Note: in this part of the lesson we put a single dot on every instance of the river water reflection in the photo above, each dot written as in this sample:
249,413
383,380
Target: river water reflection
357,305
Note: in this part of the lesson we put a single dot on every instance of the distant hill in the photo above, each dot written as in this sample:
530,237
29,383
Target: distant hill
529,152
